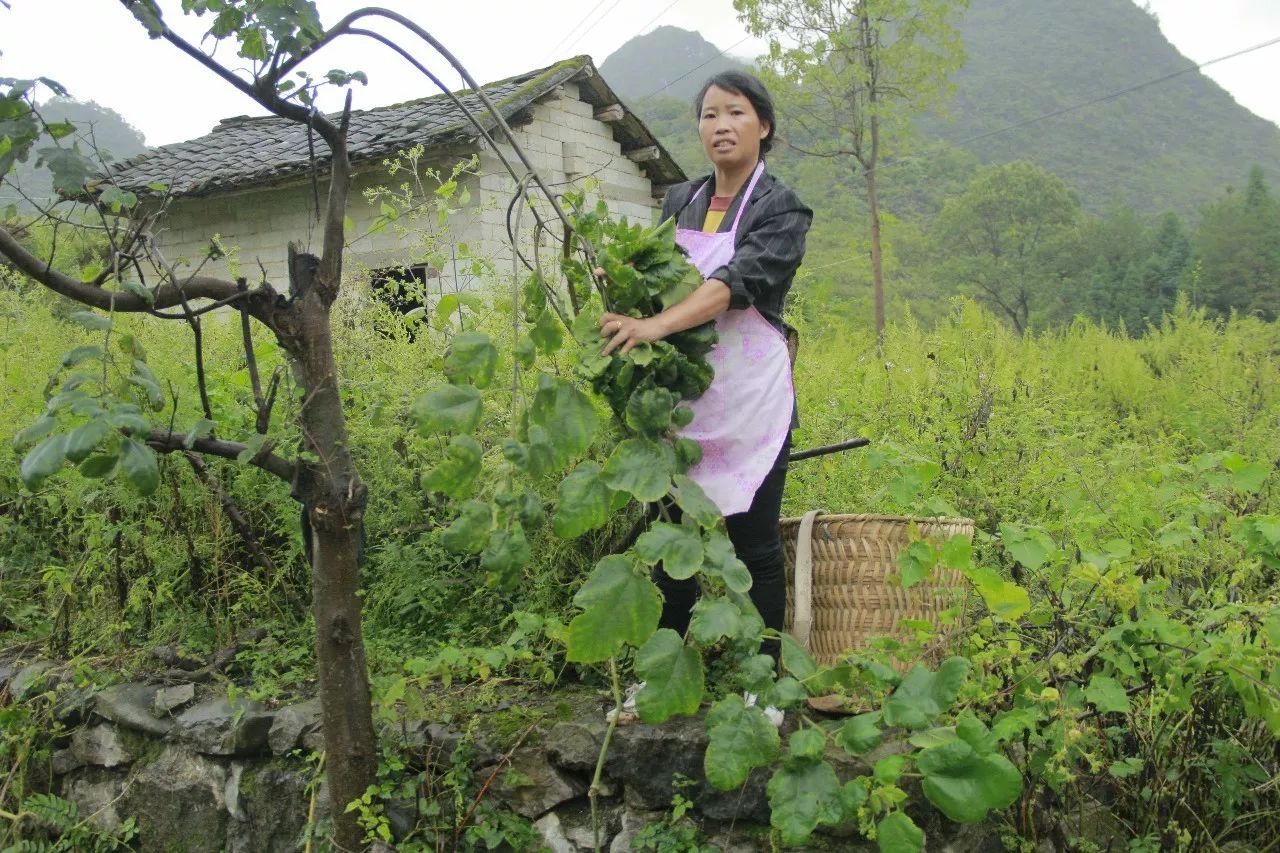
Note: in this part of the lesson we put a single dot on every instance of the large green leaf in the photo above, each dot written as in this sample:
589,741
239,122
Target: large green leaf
505,555
673,677
472,357
915,561
470,530
797,660
1107,695
620,605
924,694
808,744
83,439
642,468
583,502
99,465
678,547
739,739
567,415
964,784
41,427
693,501
138,462
714,618
649,410
897,833
84,352
456,473
860,733
43,461
447,408
803,794
1029,545
721,560
90,320
546,333
1005,599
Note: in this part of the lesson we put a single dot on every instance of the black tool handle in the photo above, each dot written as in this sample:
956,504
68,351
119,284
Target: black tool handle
830,448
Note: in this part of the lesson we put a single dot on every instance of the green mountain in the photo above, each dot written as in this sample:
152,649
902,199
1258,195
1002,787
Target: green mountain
98,129
1173,144
1170,145
667,62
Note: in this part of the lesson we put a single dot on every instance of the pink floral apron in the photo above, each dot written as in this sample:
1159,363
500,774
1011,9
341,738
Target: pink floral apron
742,420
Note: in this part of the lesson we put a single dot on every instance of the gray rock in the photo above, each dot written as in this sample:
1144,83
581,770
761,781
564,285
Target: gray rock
313,741
73,705
231,791
553,837
750,802
272,802
645,759
575,745
219,727
403,817
31,678
130,706
64,761
631,824
170,699
179,801
291,723
100,745
530,786
575,823
96,794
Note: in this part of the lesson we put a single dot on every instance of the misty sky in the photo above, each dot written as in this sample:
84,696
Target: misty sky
100,53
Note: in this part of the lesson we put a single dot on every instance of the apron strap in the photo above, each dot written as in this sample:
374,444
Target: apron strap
747,195
802,619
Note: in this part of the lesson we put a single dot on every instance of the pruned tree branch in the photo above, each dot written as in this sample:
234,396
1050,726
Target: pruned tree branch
166,296
167,441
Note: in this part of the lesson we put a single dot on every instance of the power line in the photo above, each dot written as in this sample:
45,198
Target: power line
1118,93
569,34
693,69
657,16
596,23
1100,99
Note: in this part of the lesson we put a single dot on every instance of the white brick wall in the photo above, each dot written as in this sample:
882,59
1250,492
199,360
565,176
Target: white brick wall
257,225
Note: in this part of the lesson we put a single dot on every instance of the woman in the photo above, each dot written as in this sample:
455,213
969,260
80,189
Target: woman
745,232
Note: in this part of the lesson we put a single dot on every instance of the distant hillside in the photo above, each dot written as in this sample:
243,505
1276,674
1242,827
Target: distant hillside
1170,145
98,127
1173,145
663,62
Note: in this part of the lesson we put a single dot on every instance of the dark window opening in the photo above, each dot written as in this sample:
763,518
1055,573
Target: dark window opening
403,288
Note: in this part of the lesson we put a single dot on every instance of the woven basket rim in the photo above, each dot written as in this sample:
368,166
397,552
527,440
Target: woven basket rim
871,516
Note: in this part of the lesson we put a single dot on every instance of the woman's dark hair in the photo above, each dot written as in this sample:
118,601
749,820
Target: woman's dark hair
750,87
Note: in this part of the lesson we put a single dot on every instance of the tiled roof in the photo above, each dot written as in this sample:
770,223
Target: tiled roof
246,151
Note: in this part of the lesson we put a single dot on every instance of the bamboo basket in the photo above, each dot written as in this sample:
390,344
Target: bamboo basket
849,581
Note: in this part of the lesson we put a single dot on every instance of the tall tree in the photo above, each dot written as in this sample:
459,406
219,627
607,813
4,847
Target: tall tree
1007,239
1165,270
1238,242
851,73
97,424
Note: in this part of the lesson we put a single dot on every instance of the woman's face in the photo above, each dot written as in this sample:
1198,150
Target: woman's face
730,129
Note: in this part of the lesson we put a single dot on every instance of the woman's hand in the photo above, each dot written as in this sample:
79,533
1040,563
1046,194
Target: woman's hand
625,332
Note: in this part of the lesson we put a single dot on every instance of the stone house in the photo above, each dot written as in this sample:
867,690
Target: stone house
254,181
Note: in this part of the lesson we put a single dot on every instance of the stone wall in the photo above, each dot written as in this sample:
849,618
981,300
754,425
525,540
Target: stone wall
563,139
201,773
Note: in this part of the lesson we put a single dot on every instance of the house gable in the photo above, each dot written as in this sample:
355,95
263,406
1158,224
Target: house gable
252,181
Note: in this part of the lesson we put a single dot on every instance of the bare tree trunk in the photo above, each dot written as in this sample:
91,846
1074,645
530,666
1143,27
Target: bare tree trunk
333,498
877,265
869,44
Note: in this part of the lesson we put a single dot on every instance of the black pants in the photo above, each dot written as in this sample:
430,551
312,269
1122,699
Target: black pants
756,541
